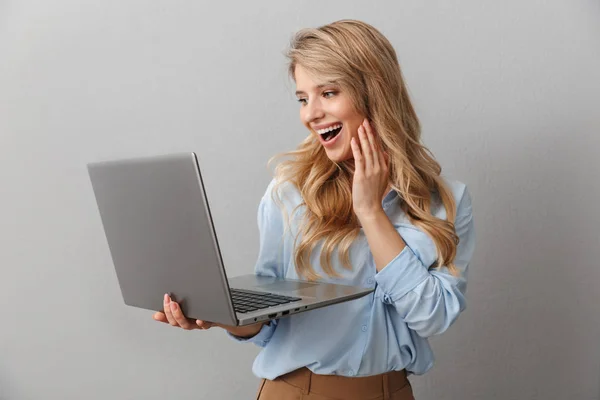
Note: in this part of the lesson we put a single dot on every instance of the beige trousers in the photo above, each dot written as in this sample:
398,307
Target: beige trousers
302,384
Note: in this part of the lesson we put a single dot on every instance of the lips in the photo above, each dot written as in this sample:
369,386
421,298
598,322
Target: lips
329,135
330,138
328,132
324,127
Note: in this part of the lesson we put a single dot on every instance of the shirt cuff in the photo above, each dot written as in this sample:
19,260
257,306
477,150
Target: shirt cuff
401,275
260,339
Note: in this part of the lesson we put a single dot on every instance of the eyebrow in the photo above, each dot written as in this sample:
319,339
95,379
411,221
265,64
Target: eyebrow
332,83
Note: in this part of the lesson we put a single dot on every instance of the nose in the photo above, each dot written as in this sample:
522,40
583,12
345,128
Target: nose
313,111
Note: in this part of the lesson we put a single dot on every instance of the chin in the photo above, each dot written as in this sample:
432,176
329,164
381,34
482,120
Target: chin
338,157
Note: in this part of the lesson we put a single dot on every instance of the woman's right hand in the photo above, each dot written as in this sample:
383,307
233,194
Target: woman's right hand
174,316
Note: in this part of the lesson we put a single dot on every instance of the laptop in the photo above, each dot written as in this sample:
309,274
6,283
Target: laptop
161,236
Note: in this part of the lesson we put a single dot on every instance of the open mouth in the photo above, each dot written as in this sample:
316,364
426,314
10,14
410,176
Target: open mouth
327,136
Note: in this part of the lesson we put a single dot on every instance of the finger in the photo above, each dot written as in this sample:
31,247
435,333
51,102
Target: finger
204,324
358,159
385,161
372,144
160,317
366,149
167,308
181,319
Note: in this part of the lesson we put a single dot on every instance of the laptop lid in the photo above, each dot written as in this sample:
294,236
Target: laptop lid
159,231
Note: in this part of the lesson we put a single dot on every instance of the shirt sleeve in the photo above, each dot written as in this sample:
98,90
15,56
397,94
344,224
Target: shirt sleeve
262,338
271,255
428,301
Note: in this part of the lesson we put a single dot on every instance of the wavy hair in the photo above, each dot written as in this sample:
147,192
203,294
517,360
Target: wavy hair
361,61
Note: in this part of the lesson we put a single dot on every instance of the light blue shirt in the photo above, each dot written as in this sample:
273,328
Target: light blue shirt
383,331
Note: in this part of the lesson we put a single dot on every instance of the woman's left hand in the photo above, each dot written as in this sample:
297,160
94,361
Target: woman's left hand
371,175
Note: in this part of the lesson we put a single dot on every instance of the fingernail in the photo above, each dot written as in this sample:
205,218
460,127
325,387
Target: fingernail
173,306
167,298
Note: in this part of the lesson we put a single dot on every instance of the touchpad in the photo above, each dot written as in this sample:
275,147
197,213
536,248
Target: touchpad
286,286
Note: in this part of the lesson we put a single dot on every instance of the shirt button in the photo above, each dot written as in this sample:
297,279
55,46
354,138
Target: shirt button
350,372
370,281
386,299
364,328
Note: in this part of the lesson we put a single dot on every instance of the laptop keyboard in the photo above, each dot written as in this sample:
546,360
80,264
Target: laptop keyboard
247,301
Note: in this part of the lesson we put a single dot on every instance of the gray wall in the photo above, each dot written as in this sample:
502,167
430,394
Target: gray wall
508,93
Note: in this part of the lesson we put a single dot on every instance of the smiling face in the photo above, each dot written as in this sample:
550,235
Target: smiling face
329,113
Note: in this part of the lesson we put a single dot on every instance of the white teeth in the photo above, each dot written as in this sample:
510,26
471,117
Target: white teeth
323,131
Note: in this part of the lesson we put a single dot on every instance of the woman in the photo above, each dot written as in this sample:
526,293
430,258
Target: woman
364,204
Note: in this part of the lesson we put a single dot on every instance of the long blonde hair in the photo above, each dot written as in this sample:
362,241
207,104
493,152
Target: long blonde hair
363,62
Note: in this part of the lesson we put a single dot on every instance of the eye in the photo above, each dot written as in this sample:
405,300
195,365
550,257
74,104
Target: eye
302,101
329,94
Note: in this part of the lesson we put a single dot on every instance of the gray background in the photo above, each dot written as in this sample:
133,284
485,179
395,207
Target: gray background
508,93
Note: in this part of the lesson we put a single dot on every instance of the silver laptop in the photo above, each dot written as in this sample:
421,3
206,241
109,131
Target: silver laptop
160,233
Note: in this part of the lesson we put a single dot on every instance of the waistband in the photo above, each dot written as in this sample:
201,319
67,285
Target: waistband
344,387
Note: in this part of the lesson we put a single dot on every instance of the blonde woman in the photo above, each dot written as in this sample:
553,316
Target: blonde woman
362,202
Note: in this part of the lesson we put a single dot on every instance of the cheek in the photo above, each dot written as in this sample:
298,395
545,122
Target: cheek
345,109
352,122
353,129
